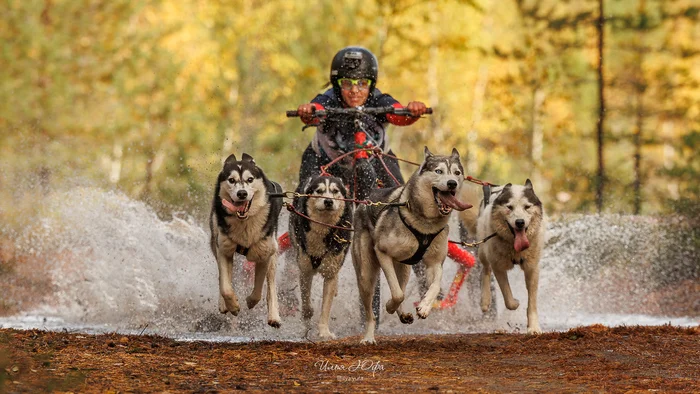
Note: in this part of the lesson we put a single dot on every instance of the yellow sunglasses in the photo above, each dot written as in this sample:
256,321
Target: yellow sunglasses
348,83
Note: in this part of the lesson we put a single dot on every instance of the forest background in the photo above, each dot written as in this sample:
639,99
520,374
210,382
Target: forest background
147,97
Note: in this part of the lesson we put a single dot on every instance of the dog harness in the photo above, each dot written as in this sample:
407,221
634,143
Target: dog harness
333,240
332,245
316,260
270,225
424,241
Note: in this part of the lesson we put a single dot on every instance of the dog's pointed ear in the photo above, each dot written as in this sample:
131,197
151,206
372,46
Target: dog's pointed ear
455,153
528,184
507,185
247,157
341,187
230,159
307,186
426,152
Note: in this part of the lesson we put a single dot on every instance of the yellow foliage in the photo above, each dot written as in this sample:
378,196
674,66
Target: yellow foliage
186,81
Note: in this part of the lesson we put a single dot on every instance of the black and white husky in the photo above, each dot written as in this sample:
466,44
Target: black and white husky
395,237
321,249
244,220
515,214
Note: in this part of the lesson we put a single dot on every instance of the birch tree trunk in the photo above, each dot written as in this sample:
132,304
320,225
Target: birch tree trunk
232,133
477,110
433,60
482,79
640,87
600,177
537,135
115,171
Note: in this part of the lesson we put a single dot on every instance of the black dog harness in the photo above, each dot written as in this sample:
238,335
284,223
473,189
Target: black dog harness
332,245
317,260
424,241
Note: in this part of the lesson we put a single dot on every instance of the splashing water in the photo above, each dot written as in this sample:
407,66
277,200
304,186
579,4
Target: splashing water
116,266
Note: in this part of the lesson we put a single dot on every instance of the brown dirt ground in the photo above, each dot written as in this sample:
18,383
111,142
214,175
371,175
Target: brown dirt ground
588,359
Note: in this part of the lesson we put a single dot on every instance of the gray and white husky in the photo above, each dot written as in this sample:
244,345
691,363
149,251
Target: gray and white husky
515,214
319,248
244,220
394,237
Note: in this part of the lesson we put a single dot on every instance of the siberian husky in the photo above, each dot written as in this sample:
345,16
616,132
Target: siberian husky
515,215
395,237
244,220
319,248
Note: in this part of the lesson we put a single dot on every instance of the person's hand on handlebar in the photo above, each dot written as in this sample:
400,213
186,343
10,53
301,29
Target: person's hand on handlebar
417,108
305,111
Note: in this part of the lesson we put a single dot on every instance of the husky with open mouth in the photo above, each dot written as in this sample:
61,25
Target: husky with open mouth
244,220
515,214
413,228
322,242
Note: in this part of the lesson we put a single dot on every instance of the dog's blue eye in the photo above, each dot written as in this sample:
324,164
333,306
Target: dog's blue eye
438,171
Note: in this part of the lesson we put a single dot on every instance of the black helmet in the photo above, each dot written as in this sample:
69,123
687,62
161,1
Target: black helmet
354,62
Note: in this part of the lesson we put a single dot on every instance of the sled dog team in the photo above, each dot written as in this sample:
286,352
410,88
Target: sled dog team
411,227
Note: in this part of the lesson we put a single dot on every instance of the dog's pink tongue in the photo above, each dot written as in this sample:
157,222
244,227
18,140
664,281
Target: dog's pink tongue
521,241
451,201
233,207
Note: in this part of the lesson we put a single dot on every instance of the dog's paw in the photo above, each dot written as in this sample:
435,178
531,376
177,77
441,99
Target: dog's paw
534,330
222,305
274,323
512,304
423,311
326,335
368,341
485,301
251,302
235,311
230,306
406,318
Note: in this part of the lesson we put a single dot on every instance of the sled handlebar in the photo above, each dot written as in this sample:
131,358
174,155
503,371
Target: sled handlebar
358,111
